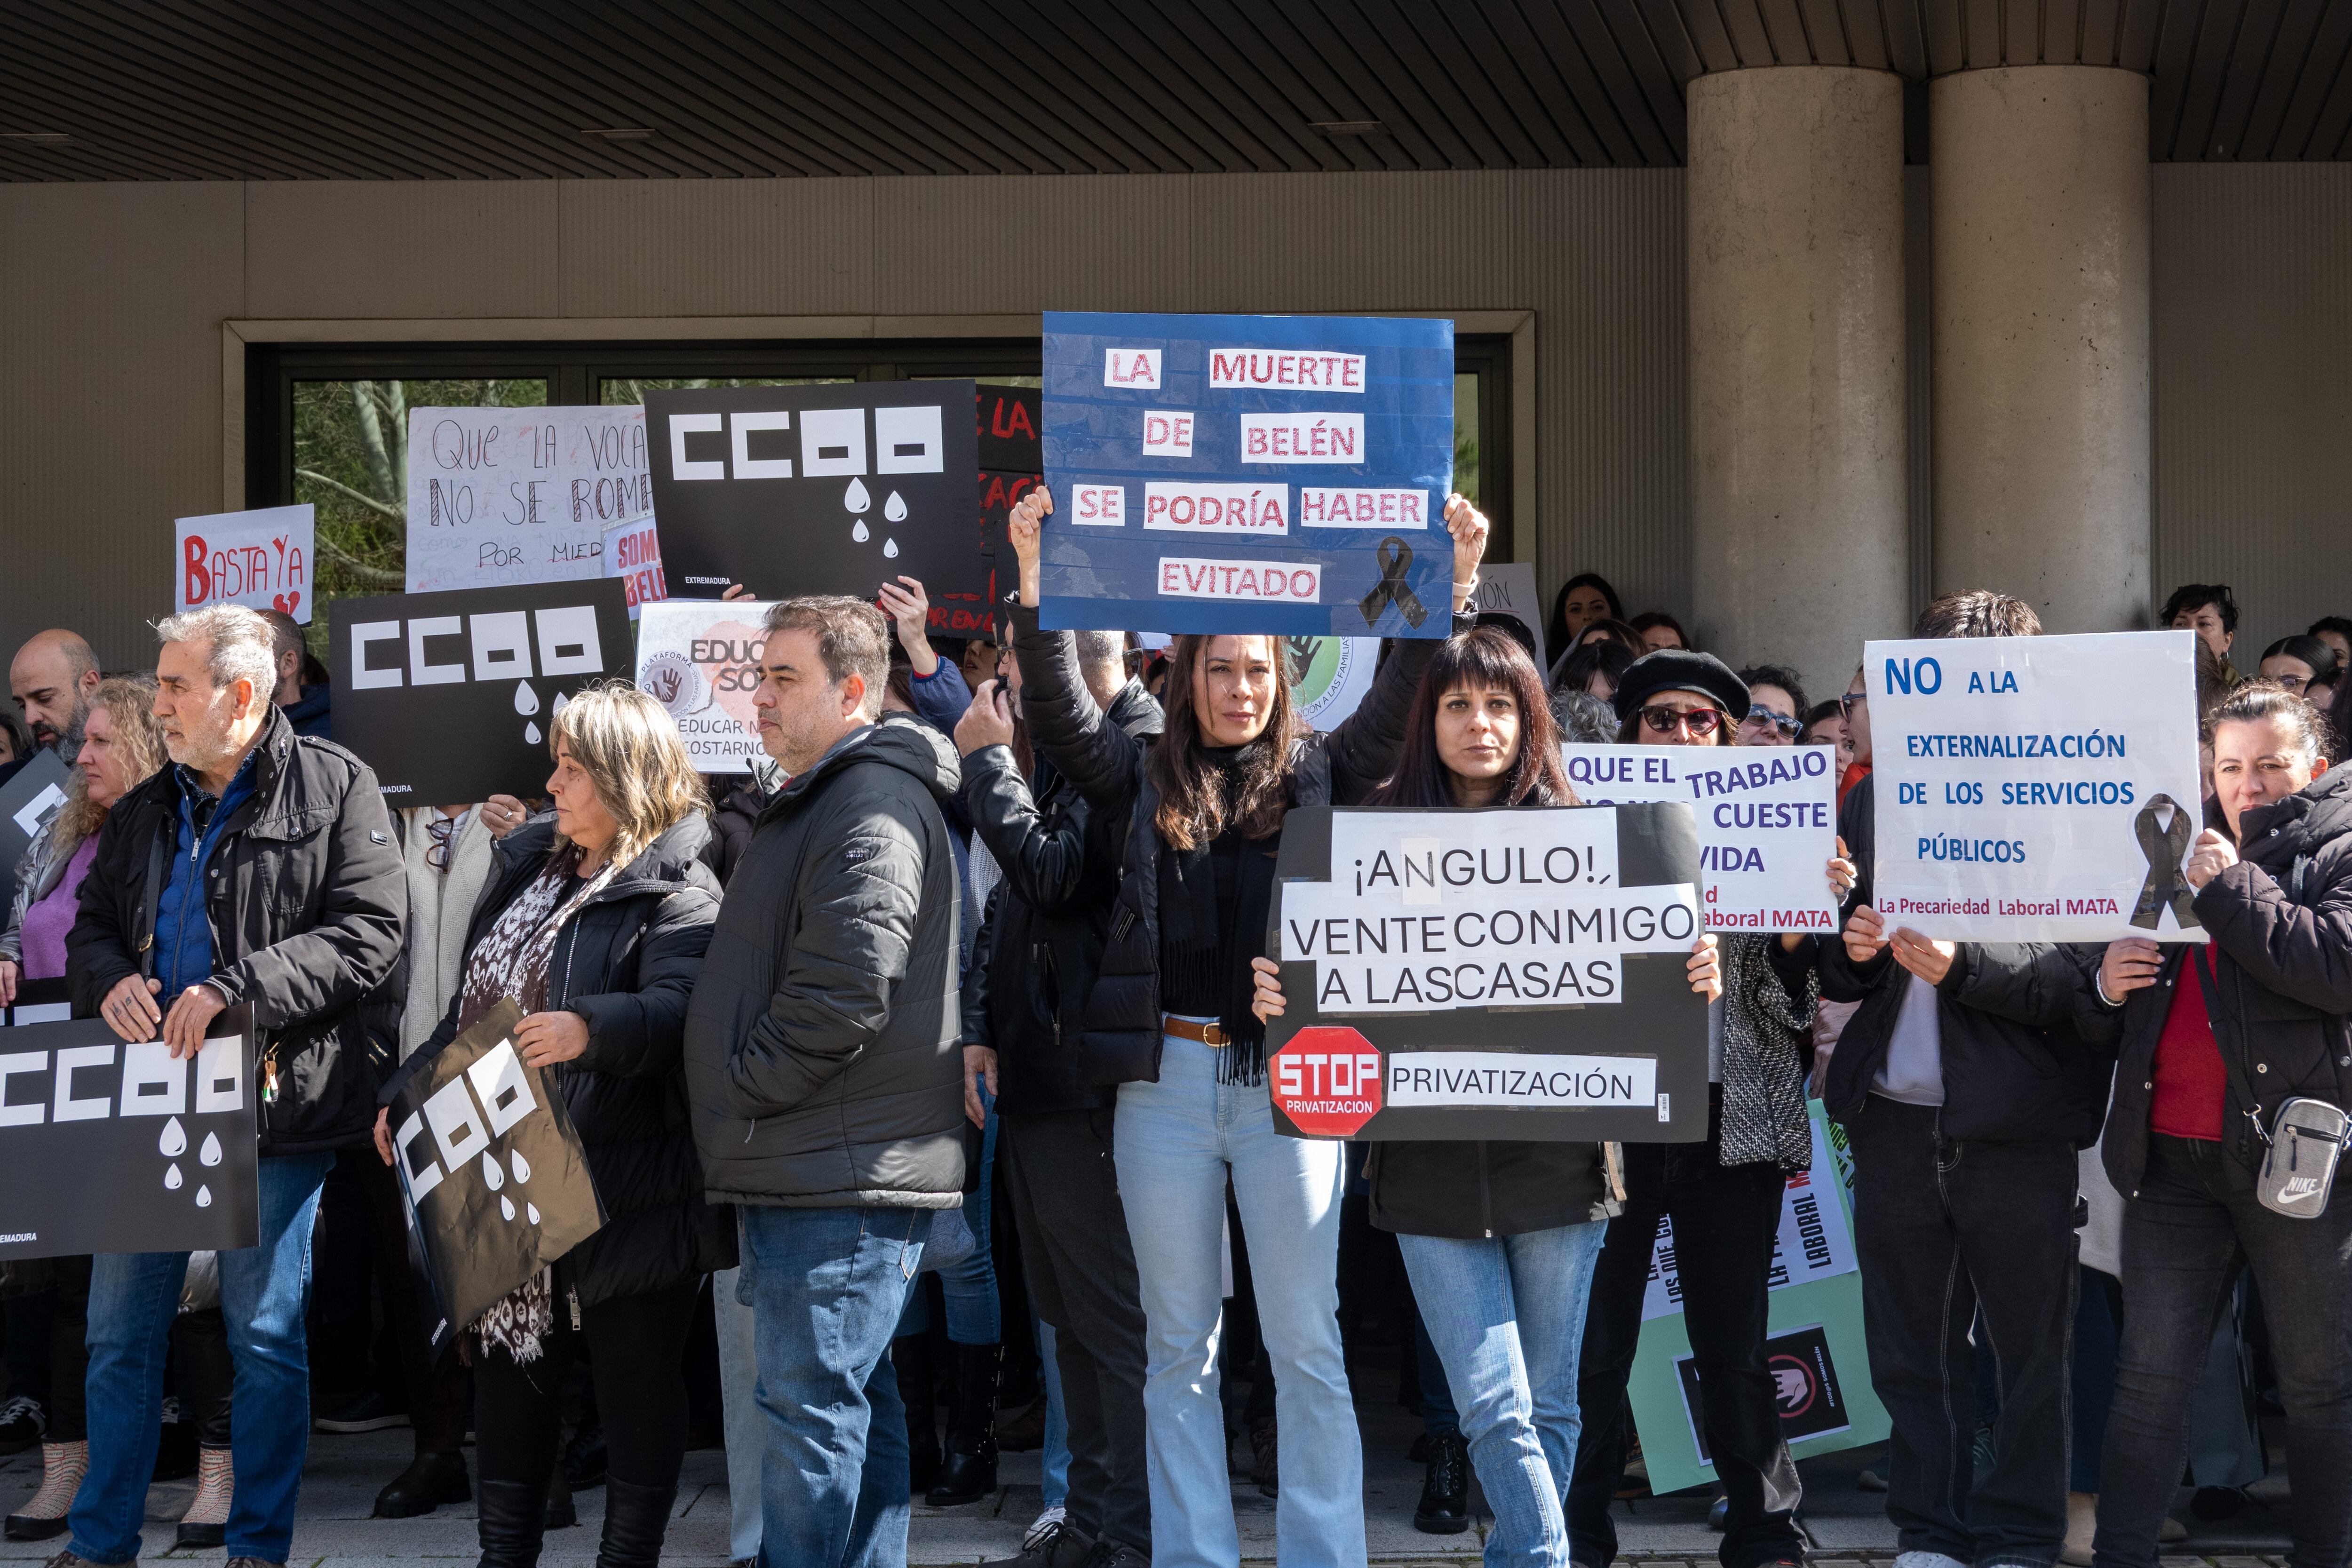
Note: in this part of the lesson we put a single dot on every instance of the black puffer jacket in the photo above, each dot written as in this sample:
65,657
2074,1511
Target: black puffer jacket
1035,961
2027,1053
306,898
627,964
2281,920
821,1053
1106,765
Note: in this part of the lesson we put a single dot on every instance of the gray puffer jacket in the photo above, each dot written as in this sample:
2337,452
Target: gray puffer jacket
821,1045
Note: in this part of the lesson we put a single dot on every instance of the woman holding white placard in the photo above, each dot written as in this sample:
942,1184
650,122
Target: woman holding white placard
1500,1237
1723,1195
1200,811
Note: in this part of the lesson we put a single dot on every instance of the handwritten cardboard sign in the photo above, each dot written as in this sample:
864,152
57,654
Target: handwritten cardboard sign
1283,474
519,495
699,659
633,553
261,559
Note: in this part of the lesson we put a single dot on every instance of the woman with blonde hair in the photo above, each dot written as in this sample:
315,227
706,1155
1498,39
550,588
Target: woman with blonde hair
596,921
123,747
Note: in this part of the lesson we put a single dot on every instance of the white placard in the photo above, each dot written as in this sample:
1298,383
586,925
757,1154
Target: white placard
1767,822
2035,789
519,495
259,559
1331,675
699,659
1428,911
633,553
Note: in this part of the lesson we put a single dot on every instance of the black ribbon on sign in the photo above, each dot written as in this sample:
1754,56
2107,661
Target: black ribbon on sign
2164,847
1396,560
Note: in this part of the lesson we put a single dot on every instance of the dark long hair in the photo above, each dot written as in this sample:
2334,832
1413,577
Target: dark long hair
1482,660
1556,628
1194,807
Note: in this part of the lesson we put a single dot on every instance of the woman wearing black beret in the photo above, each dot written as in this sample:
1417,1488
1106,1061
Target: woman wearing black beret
1723,1195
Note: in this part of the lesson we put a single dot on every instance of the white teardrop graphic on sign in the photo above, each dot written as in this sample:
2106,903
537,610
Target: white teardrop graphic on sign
526,699
521,1167
506,1207
895,509
203,1197
174,1142
530,734
492,1174
530,1211
561,698
855,497
857,531
891,549
172,1180
211,1153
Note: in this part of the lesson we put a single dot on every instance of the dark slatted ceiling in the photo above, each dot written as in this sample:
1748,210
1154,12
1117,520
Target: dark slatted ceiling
192,90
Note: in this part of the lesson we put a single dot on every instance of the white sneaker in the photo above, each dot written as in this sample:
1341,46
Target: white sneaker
1927,1559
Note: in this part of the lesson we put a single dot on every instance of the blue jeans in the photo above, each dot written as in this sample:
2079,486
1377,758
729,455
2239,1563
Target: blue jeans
1506,1316
264,1292
975,1315
826,1288
1055,1463
1175,1141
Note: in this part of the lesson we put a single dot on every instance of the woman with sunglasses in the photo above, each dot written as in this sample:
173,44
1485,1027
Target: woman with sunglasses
1499,1239
1723,1195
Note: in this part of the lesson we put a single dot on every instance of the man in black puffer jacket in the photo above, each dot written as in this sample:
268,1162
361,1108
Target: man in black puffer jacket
821,1061
258,869
1024,1018
1968,1080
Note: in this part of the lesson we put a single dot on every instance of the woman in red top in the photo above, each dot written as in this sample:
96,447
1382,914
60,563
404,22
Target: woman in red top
2206,1061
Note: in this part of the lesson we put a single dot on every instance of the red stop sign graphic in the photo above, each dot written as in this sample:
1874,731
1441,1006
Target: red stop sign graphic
1327,1080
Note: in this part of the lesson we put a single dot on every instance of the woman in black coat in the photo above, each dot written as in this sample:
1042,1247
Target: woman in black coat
2216,1038
596,922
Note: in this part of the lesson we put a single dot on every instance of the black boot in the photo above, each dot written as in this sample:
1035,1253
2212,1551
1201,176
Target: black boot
911,1357
1445,1489
430,1480
563,1513
513,1523
636,1518
968,1473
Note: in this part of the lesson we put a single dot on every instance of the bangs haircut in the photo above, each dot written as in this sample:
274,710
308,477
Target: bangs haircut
1195,805
629,747
1484,659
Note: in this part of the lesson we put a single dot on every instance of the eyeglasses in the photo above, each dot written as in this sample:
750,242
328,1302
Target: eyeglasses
436,853
1665,721
1763,718
1852,700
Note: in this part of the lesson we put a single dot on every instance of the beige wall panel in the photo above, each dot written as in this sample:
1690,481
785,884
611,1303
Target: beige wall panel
392,248
2253,390
1085,242
716,248
111,301
1352,242
1600,255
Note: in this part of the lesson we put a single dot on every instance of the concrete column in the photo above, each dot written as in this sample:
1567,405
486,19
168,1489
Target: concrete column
1799,540
2040,376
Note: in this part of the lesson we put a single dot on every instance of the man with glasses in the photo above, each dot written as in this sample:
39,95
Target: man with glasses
1776,706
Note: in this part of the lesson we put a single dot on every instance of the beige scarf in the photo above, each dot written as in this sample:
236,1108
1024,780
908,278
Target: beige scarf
440,904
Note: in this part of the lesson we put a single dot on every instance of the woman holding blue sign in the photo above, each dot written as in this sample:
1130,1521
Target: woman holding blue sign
1724,1195
1499,1237
1170,1022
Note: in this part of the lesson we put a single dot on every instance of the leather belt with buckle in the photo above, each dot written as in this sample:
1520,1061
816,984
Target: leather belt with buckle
1186,1029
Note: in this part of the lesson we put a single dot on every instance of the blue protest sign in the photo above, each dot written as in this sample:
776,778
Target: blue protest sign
1282,474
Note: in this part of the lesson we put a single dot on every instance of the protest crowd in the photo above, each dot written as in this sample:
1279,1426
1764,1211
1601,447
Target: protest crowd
922,1078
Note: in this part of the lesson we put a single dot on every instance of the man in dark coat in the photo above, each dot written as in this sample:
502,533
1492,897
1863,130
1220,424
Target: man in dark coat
258,869
1023,1010
821,1063
1968,1080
